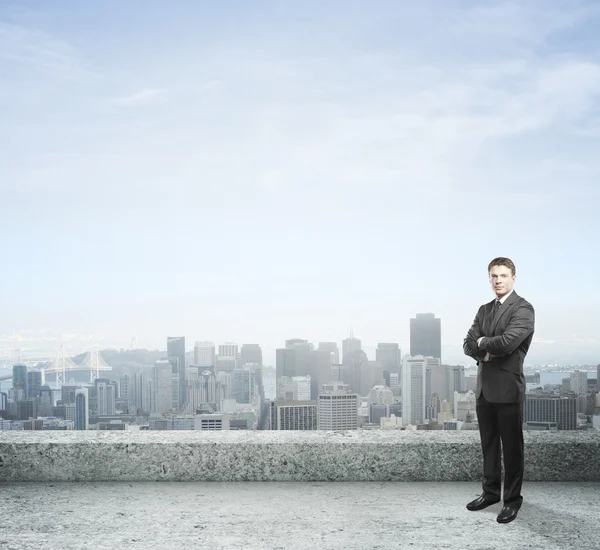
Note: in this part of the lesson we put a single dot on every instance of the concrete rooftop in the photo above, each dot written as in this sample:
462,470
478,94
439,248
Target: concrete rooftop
291,515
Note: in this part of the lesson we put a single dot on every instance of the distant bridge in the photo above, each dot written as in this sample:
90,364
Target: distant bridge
92,362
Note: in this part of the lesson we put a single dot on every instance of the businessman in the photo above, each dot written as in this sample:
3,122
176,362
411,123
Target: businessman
499,340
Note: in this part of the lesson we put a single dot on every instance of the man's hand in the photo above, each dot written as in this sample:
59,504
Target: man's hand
479,340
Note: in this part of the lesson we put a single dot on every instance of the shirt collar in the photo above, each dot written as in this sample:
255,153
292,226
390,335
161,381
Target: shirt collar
503,299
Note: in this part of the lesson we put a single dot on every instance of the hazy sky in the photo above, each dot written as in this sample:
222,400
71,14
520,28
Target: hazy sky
256,171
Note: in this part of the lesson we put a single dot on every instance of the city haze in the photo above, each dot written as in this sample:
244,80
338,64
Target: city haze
265,171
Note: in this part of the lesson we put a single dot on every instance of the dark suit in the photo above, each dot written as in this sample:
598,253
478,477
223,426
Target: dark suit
501,391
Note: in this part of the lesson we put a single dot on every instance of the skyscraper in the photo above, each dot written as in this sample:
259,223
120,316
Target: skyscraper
162,391
337,408
251,353
81,409
20,381
350,346
293,415
426,336
388,354
227,359
413,389
579,383
332,349
204,354
34,383
176,348
46,401
105,395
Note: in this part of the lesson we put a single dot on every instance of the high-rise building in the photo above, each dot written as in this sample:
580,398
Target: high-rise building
46,401
81,409
208,386
34,383
414,389
176,348
20,381
294,388
244,383
105,395
388,355
162,387
337,408
228,349
204,354
579,384
124,389
332,349
426,336
293,415
67,393
251,353
551,408
350,346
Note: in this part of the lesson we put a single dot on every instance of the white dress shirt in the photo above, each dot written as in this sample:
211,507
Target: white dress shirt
501,300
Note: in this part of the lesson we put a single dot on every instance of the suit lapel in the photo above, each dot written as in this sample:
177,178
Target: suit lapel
506,306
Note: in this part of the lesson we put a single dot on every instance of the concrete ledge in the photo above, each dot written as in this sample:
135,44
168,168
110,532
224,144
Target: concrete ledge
284,456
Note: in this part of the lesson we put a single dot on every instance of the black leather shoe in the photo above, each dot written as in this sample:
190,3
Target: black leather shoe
481,502
507,514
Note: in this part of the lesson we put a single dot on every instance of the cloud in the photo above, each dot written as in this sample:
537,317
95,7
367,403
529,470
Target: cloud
146,96
41,52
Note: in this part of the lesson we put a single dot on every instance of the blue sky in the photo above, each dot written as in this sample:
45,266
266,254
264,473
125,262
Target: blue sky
256,171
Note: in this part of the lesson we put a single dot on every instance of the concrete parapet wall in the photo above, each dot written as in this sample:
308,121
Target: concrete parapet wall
284,456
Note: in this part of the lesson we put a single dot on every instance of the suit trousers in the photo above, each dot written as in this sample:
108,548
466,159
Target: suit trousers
502,423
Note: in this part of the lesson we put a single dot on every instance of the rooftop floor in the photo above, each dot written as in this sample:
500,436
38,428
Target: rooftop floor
252,515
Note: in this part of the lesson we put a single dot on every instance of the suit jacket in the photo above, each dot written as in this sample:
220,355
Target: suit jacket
508,334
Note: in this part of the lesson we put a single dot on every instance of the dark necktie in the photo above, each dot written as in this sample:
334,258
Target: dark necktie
497,306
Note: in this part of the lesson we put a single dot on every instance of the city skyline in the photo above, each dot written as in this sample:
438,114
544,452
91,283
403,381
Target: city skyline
301,187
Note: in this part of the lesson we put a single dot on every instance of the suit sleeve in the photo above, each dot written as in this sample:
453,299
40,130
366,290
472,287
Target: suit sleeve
520,326
470,346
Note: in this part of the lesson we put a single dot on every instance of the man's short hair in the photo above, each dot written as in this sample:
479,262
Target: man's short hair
506,262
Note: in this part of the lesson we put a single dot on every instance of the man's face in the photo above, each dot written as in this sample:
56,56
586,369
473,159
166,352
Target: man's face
501,279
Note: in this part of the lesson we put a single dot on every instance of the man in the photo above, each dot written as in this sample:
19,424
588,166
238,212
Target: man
499,340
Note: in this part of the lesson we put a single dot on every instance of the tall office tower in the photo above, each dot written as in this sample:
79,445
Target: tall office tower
20,381
162,387
244,383
224,385
46,401
358,372
67,393
426,336
413,389
579,384
175,386
34,383
124,392
3,401
285,363
208,386
81,409
432,364
293,415
350,346
551,408
204,354
598,378
251,353
294,388
464,406
228,349
388,354
332,349
176,348
337,408
105,394
293,342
